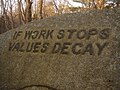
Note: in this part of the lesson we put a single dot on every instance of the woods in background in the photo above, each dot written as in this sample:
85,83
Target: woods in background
14,13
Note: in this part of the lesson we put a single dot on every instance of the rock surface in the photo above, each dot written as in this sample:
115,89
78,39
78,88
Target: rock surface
79,51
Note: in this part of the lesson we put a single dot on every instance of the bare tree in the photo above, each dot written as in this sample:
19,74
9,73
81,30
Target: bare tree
4,15
11,14
19,11
57,10
35,10
23,13
28,10
40,9
100,4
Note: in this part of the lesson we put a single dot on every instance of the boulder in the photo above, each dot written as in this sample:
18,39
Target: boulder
78,51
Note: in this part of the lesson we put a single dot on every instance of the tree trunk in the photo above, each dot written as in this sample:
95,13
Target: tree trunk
23,16
19,11
5,16
40,9
100,4
11,14
57,10
28,11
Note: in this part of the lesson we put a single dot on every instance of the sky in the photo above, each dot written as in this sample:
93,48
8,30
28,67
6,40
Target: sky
74,4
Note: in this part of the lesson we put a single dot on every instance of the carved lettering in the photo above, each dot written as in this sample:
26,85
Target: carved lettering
61,34
92,32
65,47
36,47
89,49
42,34
35,34
45,47
81,34
76,49
101,47
49,34
104,34
56,48
71,33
